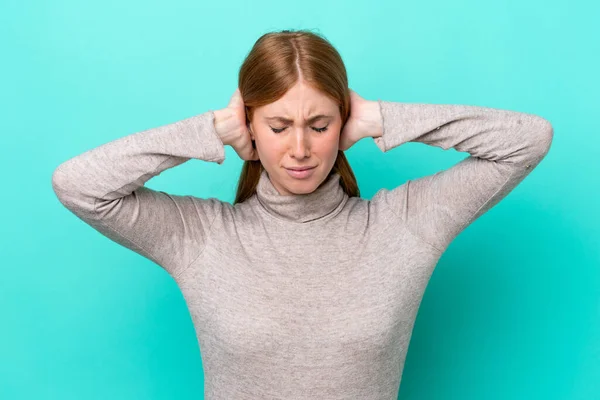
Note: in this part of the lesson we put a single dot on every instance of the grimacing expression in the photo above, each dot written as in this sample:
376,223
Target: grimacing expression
299,130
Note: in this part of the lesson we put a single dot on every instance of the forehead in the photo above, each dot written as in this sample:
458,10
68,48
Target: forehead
300,103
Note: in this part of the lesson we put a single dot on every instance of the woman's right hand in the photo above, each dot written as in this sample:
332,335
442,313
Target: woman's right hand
230,124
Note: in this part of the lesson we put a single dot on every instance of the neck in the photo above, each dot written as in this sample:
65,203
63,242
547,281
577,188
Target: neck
301,207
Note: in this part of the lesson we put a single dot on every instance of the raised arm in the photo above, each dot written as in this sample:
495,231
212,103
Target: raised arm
504,147
104,187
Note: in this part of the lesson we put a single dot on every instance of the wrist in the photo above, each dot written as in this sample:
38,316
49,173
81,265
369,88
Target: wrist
373,119
224,124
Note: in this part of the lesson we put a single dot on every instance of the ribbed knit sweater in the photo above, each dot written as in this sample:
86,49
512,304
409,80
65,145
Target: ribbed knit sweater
310,296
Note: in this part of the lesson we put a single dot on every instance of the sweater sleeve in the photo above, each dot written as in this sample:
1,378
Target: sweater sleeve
504,147
104,187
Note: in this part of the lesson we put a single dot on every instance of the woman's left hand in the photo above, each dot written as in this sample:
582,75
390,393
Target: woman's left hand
365,121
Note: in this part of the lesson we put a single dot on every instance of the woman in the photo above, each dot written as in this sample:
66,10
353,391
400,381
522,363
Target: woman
301,289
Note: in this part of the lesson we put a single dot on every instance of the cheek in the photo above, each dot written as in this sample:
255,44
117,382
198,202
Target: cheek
332,143
269,148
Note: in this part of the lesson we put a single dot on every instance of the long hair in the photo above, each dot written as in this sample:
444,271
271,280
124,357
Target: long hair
274,64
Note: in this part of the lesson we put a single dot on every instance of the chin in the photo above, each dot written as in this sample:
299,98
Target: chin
303,186
306,189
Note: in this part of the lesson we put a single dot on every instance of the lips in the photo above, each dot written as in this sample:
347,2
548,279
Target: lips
300,172
300,168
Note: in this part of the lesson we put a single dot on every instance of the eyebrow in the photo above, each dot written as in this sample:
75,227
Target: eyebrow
289,121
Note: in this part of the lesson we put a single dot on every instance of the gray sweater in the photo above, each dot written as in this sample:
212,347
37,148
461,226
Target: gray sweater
307,296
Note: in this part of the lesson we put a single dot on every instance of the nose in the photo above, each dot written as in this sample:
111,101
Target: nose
300,146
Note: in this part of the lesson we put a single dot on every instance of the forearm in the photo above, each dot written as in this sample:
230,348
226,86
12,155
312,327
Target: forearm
115,169
487,133
504,147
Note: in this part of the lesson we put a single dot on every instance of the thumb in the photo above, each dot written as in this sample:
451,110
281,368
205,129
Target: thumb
246,151
235,98
250,153
344,144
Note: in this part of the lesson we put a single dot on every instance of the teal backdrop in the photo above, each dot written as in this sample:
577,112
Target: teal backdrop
512,310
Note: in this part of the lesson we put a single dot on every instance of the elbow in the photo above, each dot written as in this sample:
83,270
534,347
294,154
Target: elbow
64,187
539,142
60,183
546,134
73,189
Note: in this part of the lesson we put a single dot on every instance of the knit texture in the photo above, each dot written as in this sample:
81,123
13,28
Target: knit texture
309,296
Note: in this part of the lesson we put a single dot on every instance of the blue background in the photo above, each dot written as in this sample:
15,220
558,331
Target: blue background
513,308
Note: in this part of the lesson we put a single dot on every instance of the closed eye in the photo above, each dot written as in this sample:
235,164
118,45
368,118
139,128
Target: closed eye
279,130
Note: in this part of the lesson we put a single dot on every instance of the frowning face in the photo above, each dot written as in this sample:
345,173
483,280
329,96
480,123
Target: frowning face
298,131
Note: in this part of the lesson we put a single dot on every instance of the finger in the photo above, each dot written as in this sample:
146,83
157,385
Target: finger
249,152
342,145
235,98
253,151
253,156
343,135
345,143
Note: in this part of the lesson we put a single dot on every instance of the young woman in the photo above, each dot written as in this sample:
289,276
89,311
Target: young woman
300,288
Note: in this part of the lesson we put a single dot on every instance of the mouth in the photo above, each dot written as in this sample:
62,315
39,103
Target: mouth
300,168
300,172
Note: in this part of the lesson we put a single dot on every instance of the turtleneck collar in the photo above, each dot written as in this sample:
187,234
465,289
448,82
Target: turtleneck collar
301,207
